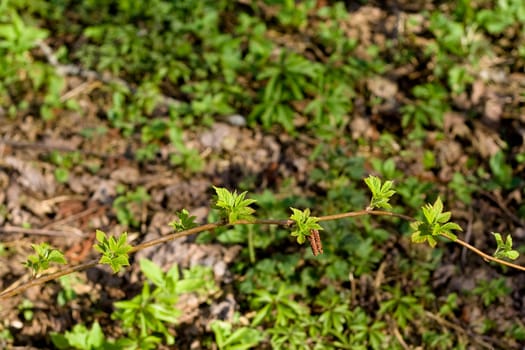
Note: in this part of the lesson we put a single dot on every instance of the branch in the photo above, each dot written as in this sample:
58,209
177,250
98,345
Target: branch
10,292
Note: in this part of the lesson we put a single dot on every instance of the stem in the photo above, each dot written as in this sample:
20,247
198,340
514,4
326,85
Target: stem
251,248
9,292
488,257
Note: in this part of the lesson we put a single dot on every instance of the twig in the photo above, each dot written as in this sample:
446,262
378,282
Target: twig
397,334
458,329
207,227
503,207
74,217
68,270
488,257
47,147
38,231
9,292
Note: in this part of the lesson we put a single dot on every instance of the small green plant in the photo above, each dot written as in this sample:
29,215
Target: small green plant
336,313
145,317
462,188
81,338
147,314
239,339
404,308
292,337
501,170
17,38
288,79
279,307
414,192
114,250
364,331
6,338
67,293
504,14
44,256
127,206
386,168
26,307
64,162
517,331
438,340
492,290
450,305
427,110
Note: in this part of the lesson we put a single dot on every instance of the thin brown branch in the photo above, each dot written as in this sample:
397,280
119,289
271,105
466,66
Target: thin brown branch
65,271
488,257
38,231
354,214
171,237
459,329
9,292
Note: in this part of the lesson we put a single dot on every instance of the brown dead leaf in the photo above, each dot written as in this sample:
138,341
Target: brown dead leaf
104,191
478,90
382,87
126,174
454,125
4,183
69,207
225,309
493,109
30,177
79,251
38,207
221,136
487,142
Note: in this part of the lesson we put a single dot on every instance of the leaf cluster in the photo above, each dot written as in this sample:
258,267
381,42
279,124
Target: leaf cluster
127,203
381,193
114,250
504,249
148,314
185,221
303,224
239,339
82,338
234,207
436,223
44,256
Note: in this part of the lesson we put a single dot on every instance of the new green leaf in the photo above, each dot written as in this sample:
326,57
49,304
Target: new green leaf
504,249
234,207
435,224
185,221
114,251
45,255
304,223
381,193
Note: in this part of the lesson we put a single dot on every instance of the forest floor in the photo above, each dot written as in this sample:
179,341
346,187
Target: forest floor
37,206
